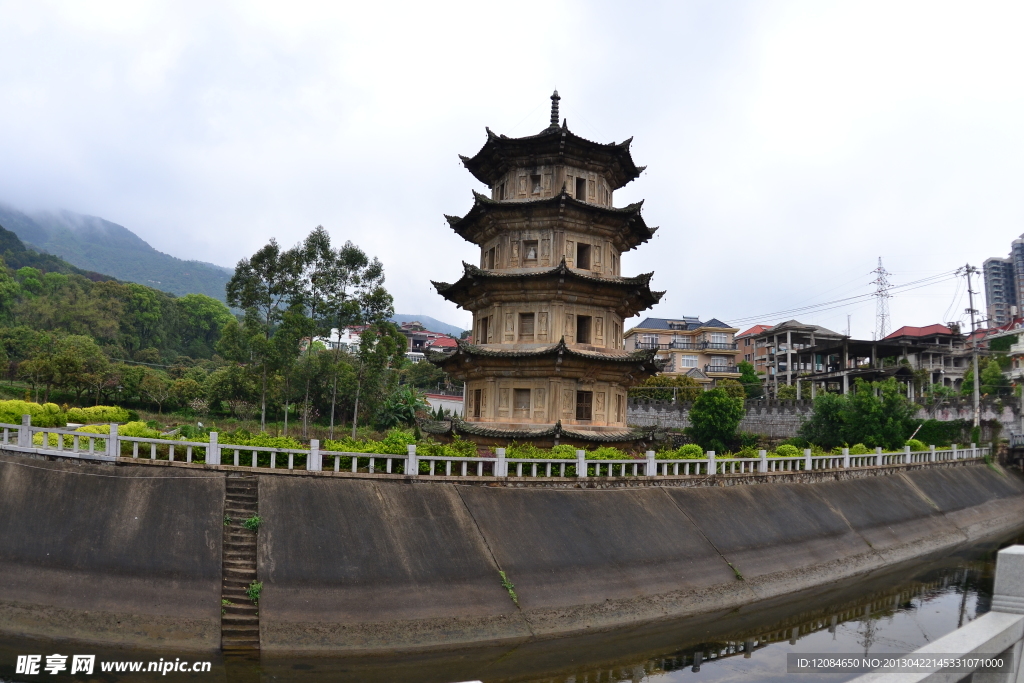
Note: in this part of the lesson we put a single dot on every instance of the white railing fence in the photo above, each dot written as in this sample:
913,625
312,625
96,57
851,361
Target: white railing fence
71,444
998,633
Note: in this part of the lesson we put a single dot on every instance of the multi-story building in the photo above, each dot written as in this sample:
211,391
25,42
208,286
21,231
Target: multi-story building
1000,290
777,351
750,351
1004,285
706,351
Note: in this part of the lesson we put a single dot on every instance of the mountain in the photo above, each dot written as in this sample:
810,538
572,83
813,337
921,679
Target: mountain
94,244
432,324
16,256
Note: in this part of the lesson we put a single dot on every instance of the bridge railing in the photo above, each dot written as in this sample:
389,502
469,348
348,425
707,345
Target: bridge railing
59,442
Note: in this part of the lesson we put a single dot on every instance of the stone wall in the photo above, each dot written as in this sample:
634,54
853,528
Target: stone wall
782,419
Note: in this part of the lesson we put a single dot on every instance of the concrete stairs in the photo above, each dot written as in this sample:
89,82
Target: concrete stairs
240,620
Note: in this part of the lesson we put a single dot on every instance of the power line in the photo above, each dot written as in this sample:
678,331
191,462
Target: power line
828,305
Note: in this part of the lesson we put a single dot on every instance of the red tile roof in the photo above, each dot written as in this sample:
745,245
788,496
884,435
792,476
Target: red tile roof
756,329
911,331
443,342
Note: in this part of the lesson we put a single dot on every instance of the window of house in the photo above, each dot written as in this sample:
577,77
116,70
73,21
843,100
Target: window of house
530,250
581,189
649,341
583,256
584,405
535,184
526,327
718,361
687,361
583,329
489,259
483,331
521,402
476,402
719,338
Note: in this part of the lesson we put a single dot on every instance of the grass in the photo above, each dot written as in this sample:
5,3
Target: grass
253,523
254,590
507,585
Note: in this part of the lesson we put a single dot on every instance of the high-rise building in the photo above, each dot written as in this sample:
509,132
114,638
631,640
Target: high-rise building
1000,290
547,363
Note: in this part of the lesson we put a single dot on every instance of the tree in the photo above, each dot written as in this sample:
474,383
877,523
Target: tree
156,387
715,415
826,426
666,387
878,414
423,375
263,286
750,380
401,408
202,319
786,392
993,382
733,388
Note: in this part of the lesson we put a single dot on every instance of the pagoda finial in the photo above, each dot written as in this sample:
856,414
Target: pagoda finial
554,110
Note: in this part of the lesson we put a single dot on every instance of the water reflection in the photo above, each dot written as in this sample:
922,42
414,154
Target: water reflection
893,611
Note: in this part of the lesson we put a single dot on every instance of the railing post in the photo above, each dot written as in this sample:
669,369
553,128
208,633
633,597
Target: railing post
763,465
954,456
500,465
712,465
974,451
25,433
113,445
581,463
808,463
313,462
213,450
1008,593
652,466
931,453
846,458
412,466
906,455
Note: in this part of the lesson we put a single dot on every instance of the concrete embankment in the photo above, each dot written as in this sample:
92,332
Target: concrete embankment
131,554
125,555
411,565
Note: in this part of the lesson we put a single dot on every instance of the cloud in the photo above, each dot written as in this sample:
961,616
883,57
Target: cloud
789,145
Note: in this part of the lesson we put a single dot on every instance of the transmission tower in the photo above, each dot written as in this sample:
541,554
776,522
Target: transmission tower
882,295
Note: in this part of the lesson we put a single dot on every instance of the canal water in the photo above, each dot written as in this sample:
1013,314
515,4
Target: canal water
895,611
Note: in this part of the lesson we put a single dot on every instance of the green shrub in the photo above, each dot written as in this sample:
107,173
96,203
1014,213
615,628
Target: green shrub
787,450
916,445
608,453
859,449
45,415
690,451
98,414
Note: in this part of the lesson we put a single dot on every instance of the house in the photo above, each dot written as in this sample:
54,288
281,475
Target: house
705,351
750,351
776,350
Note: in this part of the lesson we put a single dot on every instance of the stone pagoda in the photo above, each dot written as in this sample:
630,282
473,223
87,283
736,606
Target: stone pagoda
546,362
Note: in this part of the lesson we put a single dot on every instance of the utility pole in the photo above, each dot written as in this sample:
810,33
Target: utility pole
970,270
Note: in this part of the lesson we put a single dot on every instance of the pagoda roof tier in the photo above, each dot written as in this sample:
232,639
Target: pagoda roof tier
625,227
552,146
544,432
553,360
478,288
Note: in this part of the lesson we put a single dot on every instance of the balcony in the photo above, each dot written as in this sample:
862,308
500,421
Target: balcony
720,346
721,369
657,346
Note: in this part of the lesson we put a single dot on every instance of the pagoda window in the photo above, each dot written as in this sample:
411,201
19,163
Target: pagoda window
489,259
583,325
501,191
526,327
535,184
530,251
521,402
477,393
584,405
484,324
581,189
582,256
618,407
615,265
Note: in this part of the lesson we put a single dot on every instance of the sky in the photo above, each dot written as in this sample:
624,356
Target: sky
788,145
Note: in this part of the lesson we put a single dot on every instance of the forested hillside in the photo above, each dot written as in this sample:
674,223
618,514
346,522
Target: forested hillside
94,244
